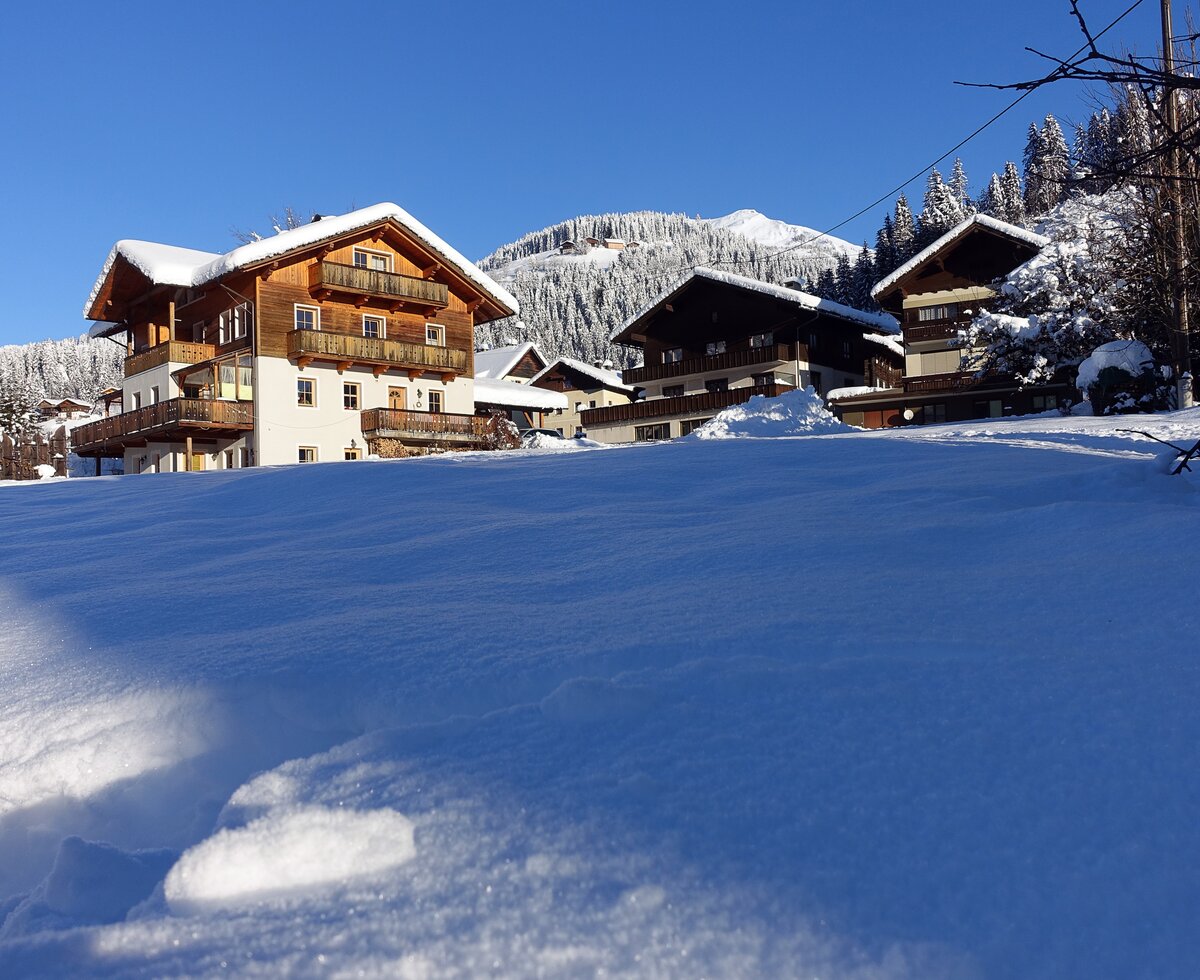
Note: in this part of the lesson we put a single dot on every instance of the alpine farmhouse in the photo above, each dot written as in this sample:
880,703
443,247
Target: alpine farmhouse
935,295
349,335
717,339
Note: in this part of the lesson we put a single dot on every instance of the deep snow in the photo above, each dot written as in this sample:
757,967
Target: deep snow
907,704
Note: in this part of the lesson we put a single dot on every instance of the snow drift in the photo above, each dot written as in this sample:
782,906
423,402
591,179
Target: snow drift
794,413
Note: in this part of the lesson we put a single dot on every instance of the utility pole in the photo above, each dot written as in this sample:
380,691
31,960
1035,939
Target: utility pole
1180,341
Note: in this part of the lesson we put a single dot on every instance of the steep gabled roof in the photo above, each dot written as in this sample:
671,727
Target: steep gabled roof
170,265
1035,241
499,361
805,301
609,379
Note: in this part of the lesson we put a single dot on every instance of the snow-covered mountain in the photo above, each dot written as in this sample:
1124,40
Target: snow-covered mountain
572,302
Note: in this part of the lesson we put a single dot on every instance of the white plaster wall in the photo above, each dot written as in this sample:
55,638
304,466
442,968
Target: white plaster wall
142,382
282,426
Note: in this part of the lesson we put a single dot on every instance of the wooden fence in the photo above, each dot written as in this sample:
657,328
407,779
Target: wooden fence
20,460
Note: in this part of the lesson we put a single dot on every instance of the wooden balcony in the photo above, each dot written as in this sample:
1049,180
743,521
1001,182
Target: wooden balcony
167,421
654,408
705,365
953,381
934,330
327,278
426,428
347,350
168,352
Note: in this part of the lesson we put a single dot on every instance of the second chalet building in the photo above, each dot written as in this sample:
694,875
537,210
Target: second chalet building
936,294
349,335
717,339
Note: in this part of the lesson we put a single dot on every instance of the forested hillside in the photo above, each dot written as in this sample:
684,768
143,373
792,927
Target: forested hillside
572,303
78,367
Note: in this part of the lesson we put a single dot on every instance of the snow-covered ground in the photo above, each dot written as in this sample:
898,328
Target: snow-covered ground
887,704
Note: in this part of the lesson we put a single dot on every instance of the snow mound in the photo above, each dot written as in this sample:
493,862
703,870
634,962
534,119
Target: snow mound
1131,356
285,851
794,413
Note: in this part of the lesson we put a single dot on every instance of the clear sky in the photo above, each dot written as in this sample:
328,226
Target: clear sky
177,122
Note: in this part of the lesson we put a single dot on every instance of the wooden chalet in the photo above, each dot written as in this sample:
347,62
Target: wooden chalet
583,386
935,295
348,335
717,339
63,408
513,362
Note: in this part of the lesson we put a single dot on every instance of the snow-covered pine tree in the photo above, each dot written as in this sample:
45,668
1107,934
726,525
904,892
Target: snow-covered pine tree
1014,200
991,201
885,249
844,273
959,188
942,210
862,279
904,231
1047,167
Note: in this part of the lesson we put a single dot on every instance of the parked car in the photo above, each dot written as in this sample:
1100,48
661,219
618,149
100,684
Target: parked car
531,438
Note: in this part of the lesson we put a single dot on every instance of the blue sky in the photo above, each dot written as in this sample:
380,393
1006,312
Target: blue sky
179,122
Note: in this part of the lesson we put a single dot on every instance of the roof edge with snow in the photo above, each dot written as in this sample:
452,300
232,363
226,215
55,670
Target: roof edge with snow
975,221
609,379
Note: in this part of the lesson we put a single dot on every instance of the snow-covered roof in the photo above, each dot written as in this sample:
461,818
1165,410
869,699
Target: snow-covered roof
886,340
610,379
492,391
56,400
173,266
806,301
975,221
852,391
499,361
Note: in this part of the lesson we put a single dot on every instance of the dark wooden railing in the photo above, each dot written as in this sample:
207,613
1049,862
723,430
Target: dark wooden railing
946,382
661,407
934,330
402,423
175,413
326,345
170,351
337,277
709,363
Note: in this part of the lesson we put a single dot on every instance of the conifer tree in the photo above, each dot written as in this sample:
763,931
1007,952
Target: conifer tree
885,249
904,231
1013,210
958,186
941,212
844,273
991,202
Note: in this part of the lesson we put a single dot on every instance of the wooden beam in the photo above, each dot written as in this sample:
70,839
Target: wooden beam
342,365
414,373
448,376
379,369
361,302
431,270
188,455
303,361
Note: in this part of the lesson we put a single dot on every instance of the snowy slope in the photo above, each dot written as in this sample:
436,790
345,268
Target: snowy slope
778,234
539,713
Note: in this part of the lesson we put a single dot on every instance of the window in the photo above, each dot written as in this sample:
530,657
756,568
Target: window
153,394
691,425
762,339
435,401
1045,403
351,395
306,317
672,355
228,459
715,347
579,406
245,454
933,414
374,326
306,393
717,384
435,335
651,433
592,404
815,381
352,453
366,259
845,348
672,391
762,380
947,312
812,341
198,332
235,323
137,399
307,454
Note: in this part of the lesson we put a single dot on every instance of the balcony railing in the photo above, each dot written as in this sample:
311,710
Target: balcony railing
407,424
708,401
934,330
352,349
708,364
948,382
168,352
161,418
335,277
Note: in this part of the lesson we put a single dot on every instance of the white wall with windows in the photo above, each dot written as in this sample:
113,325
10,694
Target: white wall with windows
316,408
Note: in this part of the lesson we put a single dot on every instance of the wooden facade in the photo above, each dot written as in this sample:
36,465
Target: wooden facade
377,299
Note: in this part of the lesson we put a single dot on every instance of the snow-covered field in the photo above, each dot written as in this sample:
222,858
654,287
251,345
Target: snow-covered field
914,704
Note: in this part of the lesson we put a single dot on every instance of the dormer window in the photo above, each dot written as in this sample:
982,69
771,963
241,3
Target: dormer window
376,261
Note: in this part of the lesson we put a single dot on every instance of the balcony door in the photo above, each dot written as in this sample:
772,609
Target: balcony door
397,398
